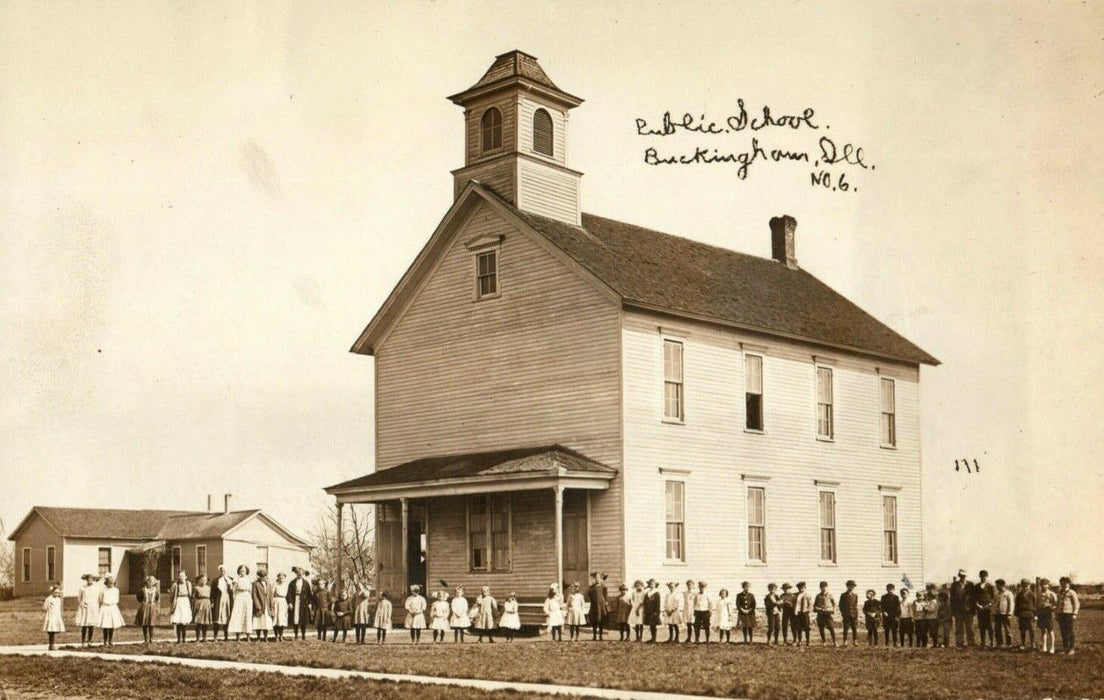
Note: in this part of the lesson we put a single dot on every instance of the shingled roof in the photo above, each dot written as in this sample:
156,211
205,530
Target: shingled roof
548,459
660,271
510,68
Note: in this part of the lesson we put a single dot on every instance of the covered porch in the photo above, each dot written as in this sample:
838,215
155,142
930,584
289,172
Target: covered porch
515,520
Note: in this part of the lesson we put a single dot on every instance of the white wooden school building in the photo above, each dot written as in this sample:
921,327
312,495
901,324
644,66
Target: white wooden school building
558,392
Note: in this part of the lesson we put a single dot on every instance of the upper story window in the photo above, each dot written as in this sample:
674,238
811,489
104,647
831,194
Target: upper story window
825,426
542,132
490,127
486,274
889,413
753,392
672,380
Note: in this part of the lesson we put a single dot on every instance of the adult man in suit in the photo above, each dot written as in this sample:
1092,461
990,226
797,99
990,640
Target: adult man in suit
596,596
849,611
962,609
300,600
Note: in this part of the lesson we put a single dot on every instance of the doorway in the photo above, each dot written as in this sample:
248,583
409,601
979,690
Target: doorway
576,554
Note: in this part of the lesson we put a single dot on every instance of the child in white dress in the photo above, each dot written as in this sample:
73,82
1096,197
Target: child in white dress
439,616
511,621
241,611
382,621
460,621
53,623
110,617
576,612
553,610
726,613
88,608
415,613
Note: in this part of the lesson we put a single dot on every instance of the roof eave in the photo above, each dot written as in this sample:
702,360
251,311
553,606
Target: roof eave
549,93
645,306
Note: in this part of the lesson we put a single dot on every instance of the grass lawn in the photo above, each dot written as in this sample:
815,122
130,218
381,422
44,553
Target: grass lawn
757,671
40,677
21,623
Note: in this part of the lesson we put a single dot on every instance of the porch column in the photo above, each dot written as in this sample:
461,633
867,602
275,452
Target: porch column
405,542
340,547
558,490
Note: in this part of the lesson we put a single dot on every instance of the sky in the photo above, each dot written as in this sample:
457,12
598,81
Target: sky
203,204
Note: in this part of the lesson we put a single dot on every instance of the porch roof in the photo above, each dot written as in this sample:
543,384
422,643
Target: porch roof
502,470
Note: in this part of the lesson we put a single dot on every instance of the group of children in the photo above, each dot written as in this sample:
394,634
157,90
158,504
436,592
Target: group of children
250,605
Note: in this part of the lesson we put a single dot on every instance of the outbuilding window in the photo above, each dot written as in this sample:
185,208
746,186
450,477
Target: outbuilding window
26,564
51,564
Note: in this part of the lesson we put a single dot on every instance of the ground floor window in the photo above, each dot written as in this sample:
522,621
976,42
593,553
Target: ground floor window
675,509
489,532
757,523
827,527
201,560
174,562
262,558
104,555
889,529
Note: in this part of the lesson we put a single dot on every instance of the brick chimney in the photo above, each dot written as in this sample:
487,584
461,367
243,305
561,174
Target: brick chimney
783,229
210,498
226,502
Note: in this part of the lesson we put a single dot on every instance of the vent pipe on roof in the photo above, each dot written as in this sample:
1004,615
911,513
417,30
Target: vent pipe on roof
226,502
783,229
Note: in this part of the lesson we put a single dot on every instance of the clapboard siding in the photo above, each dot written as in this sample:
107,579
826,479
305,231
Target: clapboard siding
533,562
538,365
549,192
37,535
526,108
500,175
715,449
473,119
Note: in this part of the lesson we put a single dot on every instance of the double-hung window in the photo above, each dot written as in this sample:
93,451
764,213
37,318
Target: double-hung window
825,426
757,524
174,562
673,408
675,519
889,413
26,564
753,392
889,529
489,533
51,564
827,527
486,273
201,560
104,560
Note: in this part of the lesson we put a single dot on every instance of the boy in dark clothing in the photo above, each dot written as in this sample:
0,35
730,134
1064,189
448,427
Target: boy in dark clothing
789,625
872,611
891,614
985,596
1025,613
849,611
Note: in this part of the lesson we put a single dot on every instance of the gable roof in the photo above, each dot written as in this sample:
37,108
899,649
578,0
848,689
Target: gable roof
121,524
549,459
661,272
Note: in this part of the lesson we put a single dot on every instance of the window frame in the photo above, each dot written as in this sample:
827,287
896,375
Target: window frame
891,553
491,566
680,383
891,414
176,561
257,556
99,558
762,526
681,522
478,254
490,130
51,563
762,410
834,529
25,565
551,153
201,568
831,404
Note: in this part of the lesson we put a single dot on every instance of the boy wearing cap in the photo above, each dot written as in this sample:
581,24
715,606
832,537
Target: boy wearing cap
872,611
1045,600
702,605
985,596
891,614
772,604
1005,606
802,610
824,605
1025,613
1068,606
789,613
849,611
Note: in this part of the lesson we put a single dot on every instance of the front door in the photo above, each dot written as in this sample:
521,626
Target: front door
390,576
576,555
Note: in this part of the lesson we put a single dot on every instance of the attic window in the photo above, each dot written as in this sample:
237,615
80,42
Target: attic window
542,132
486,274
491,128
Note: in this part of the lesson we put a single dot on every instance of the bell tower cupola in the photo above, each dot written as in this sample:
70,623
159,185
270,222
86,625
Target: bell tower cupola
515,133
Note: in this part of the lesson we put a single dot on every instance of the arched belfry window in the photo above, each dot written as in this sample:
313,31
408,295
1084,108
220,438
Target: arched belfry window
491,128
542,132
